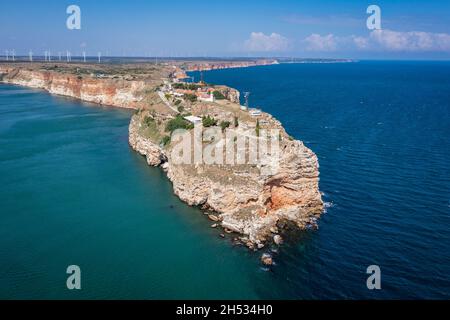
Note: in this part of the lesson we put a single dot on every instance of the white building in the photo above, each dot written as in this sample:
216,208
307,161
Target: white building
206,97
193,119
255,112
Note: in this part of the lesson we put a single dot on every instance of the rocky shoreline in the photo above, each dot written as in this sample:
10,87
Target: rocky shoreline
241,199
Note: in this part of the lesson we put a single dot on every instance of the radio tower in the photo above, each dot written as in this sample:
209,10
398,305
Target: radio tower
246,95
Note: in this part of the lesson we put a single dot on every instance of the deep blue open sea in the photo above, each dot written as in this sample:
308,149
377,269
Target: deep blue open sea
73,192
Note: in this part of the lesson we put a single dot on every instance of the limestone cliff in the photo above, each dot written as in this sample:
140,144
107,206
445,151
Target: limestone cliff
111,92
241,198
246,200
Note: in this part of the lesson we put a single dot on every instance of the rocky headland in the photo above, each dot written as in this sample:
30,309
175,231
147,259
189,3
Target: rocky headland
245,199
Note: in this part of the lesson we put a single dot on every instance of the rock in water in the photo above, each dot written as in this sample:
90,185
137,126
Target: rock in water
213,217
267,259
278,239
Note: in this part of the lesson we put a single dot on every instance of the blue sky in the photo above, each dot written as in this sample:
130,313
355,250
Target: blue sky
410,29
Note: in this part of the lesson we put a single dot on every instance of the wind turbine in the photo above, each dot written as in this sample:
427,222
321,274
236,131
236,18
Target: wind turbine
30,54
69,58
99,57
7,55
13,53
84,56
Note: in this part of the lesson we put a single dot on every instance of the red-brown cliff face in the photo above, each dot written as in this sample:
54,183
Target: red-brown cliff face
111,92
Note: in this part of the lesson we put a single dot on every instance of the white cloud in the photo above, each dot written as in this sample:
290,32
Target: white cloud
259,42
361,42
411,41
316,42
382,40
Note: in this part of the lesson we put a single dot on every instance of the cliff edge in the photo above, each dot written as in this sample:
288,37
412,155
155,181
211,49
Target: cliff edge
253,198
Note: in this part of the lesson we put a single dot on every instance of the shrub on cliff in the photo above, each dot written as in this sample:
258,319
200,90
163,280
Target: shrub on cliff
178,123
190,97
224,125
209,121
149,121
218,95
186,86
165,140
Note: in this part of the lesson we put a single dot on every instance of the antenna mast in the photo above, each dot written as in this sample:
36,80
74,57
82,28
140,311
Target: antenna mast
246,95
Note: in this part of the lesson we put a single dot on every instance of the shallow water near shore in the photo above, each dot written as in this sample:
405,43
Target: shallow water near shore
74,192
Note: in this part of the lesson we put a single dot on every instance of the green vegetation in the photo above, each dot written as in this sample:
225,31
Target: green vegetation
177,102
149,121
178,123
218,95
257,128
191,97
209,121
224,125
150,129
236,122
168,96
165,140
186,86
180,109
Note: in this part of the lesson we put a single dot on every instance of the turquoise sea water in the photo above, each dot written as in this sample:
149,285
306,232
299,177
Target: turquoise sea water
73,192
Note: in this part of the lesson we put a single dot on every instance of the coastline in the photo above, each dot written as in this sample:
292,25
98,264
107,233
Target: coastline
255,206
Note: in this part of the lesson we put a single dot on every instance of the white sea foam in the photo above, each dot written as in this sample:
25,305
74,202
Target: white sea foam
328,205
